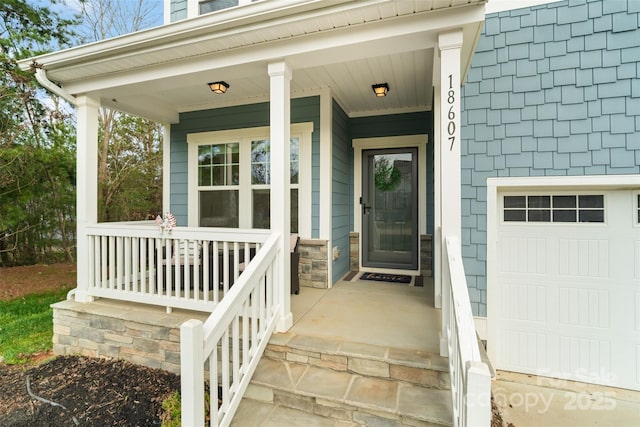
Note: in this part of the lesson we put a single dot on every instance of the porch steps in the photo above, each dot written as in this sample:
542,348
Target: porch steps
329,382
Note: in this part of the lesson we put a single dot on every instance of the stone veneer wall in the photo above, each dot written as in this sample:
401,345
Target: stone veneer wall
140,334
426,253
313,269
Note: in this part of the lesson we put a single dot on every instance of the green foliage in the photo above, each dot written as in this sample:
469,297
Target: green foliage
26,325
172,407
37,139
131,187
37,170
172,411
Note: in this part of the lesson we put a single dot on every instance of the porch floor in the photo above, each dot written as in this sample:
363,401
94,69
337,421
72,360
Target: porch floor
368,312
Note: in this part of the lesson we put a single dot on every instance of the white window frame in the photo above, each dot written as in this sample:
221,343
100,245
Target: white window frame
302,131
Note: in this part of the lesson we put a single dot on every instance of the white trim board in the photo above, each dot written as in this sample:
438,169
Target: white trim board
360,144
301,130
494,6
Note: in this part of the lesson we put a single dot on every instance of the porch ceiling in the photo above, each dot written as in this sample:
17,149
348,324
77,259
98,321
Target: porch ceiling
345,46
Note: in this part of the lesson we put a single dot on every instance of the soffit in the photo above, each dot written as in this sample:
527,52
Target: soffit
345,46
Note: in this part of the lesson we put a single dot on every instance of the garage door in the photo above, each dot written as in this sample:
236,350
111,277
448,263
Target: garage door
568,285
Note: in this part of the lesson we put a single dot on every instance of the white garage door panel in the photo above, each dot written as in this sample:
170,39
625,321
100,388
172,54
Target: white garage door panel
569,297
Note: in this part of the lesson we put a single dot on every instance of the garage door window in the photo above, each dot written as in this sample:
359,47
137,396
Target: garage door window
573,208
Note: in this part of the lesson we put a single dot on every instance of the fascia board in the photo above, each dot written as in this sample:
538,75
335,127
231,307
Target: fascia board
233,20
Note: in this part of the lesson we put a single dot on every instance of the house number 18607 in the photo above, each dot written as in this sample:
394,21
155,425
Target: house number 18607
451,125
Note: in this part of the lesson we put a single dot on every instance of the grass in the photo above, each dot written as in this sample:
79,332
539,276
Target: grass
26,325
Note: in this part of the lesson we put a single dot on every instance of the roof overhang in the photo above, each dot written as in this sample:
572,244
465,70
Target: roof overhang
343,45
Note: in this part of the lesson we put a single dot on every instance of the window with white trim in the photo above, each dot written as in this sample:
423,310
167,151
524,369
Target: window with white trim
230,177
560,208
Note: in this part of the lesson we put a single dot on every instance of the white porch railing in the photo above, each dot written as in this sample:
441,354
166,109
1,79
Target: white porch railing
189,268
470,377
230,343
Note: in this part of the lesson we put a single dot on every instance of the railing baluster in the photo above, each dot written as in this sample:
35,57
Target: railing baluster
183,288
205,270
112,262
196,271
127,264
245,334
135,268
235,347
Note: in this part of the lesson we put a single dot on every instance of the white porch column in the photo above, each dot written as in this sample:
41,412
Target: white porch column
280,121
86,187
450,44
166,168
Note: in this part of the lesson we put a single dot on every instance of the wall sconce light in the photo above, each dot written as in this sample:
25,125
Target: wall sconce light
380,89
218,87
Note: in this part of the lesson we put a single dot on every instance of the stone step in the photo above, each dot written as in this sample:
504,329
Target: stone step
350,383
262,414
412,366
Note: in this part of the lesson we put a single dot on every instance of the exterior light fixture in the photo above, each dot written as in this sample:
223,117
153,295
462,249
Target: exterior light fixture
218,87
380,89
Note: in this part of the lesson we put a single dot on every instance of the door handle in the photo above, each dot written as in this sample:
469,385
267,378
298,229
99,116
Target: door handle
365,209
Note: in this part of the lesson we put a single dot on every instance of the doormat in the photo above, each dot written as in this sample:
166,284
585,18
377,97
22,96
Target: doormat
381,277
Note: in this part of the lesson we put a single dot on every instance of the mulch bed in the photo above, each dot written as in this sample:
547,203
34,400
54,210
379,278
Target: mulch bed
96,392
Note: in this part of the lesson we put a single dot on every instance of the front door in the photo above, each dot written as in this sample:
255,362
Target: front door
390,208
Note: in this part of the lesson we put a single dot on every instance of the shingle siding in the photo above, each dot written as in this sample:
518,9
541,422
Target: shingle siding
559,87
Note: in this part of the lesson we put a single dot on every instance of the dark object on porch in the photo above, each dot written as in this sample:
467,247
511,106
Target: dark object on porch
295,261
391,278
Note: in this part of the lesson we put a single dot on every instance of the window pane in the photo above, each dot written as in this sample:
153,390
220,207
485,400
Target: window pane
218,154
564,216
294,210
515,215
564,202
591,201
207,6
260,160
591,215
514,202
219,208
262,213
217,175
204,155
204,175
536,215
261,208
295,160
539,201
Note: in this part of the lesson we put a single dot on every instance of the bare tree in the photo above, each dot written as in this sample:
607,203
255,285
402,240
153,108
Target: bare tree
104,19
